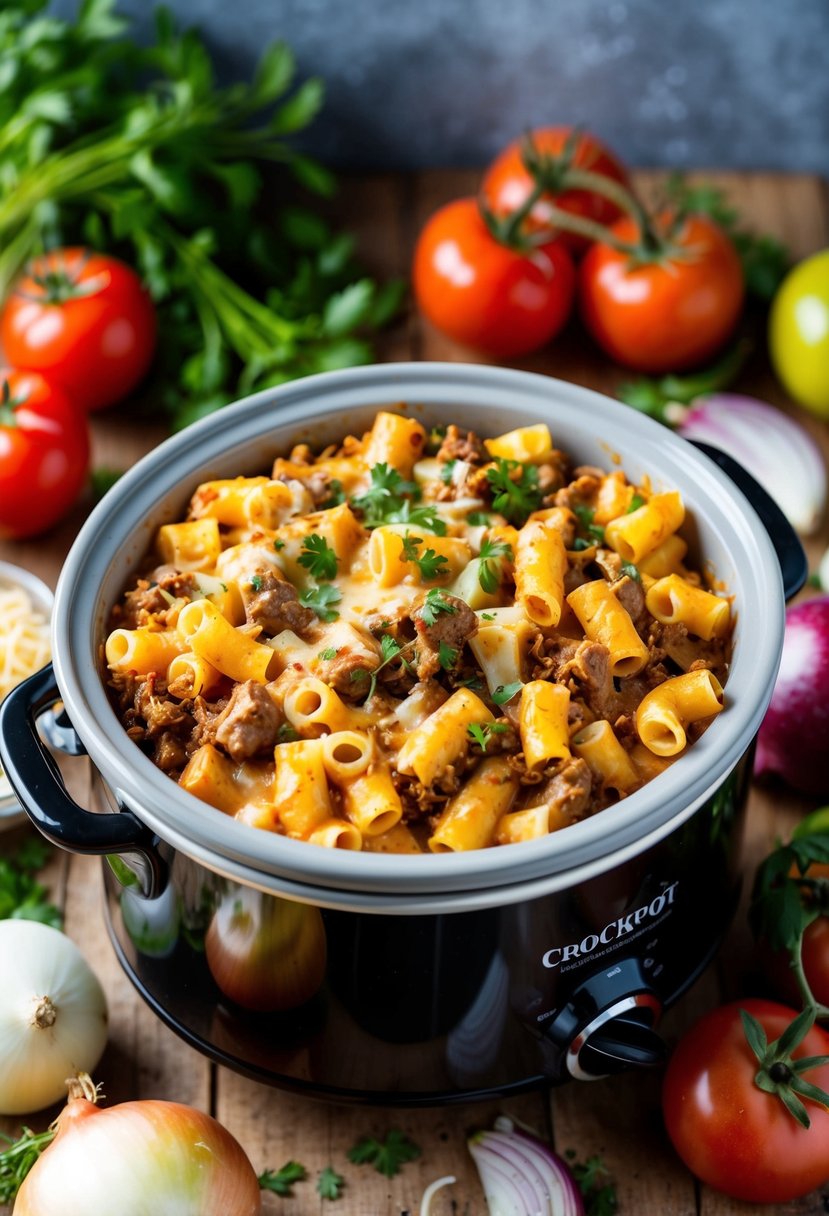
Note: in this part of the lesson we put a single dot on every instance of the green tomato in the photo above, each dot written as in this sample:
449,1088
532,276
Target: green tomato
799,333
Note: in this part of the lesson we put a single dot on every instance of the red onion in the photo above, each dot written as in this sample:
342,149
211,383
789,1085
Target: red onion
522,1176
794,737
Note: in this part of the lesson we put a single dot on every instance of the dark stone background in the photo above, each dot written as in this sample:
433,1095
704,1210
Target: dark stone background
709,83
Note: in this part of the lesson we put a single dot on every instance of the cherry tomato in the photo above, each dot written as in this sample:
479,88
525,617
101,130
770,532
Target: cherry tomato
507,183
815,956
485,294
670,313
84,320
729,1132
44,453
799,333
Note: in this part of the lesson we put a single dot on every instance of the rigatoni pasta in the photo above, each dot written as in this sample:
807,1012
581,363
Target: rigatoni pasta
420,641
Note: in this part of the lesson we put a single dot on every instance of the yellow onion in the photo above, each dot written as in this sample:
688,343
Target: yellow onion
138,1159
265,953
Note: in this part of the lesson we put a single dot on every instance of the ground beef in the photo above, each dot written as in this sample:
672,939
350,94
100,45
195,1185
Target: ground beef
170,753
568,790
159,711
348,672
462,445
317,483
249,722
578,492
609,563
588,674
453,628
631,596
206,716
273,603
147,600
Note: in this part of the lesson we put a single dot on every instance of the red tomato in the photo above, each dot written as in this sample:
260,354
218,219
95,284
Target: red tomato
507,183
670,313
815,955
727,1130
483,293
44,454
83,319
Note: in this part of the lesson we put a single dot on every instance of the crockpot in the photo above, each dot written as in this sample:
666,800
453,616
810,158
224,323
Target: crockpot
404,978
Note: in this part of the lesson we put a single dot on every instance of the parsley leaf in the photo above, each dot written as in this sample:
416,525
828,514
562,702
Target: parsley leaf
320,599
446,471
631,571
287,734
478,519
505,692
430,564
281,1181
278,544
447,656
386,494
389,649
487,616
584,515
635,503
435,603
256,582
387,1156
318,557
22,897
329,653
424,516
336,494
489,568
595,1184
516,497
330,1183
482,734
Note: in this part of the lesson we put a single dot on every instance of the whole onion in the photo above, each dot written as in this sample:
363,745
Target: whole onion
794,738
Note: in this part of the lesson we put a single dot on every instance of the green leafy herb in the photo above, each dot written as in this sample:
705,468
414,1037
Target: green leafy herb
765,260
336,495
580,544
430,564
387,1156
102,480
385,495
447,656
481,734
424,516
516,490
658,397
330,1183
489,568
329,653
435,603
318,557
505,692
487,616
446,471
635,503
281,1181
22,897
286,734
479,519
278,544
320,599
584,515
472,682
389,649
256,582
137,150
595,1184
631,571
17,1160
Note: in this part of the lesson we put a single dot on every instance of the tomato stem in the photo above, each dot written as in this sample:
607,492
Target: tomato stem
8,405
808,998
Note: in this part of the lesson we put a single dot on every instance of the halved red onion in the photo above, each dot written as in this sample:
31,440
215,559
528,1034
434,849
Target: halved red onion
521,1175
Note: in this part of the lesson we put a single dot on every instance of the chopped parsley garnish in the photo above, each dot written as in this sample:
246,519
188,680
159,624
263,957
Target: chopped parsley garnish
435,603
387,1156
329,653
389,649
256,583
278,544
597,1188
471,682
318,557
580,544
487,616
489,568
320,599
281,1181
630,570
478,519
447,656
359,673
516,497
447,471
635,503
336,495
424,516
505,692
482,734
584,515
386,494
430,564
286,734
330,1183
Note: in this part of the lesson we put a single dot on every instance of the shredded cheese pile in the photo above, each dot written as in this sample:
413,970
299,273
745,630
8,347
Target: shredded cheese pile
24,645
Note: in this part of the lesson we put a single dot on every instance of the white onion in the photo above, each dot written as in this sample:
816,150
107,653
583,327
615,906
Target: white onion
431,1191
522,1176
53,1015
773,447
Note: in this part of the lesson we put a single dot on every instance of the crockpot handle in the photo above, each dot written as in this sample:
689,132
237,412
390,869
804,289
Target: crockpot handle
794,565
37,782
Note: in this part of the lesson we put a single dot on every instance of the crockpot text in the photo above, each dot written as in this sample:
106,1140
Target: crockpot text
612,932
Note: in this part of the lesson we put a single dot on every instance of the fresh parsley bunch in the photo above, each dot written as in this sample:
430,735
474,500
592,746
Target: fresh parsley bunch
138,151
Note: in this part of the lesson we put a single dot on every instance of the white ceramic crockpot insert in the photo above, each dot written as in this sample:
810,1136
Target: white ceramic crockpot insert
243,439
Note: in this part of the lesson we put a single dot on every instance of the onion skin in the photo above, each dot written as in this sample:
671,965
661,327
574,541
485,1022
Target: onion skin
794,737
140,1159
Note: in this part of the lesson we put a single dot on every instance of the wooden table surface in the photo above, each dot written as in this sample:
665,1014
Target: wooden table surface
618,1118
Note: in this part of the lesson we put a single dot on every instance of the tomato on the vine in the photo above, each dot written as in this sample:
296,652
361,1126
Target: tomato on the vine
480,292
665,310
85,320
508,182
732,1134
44,453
